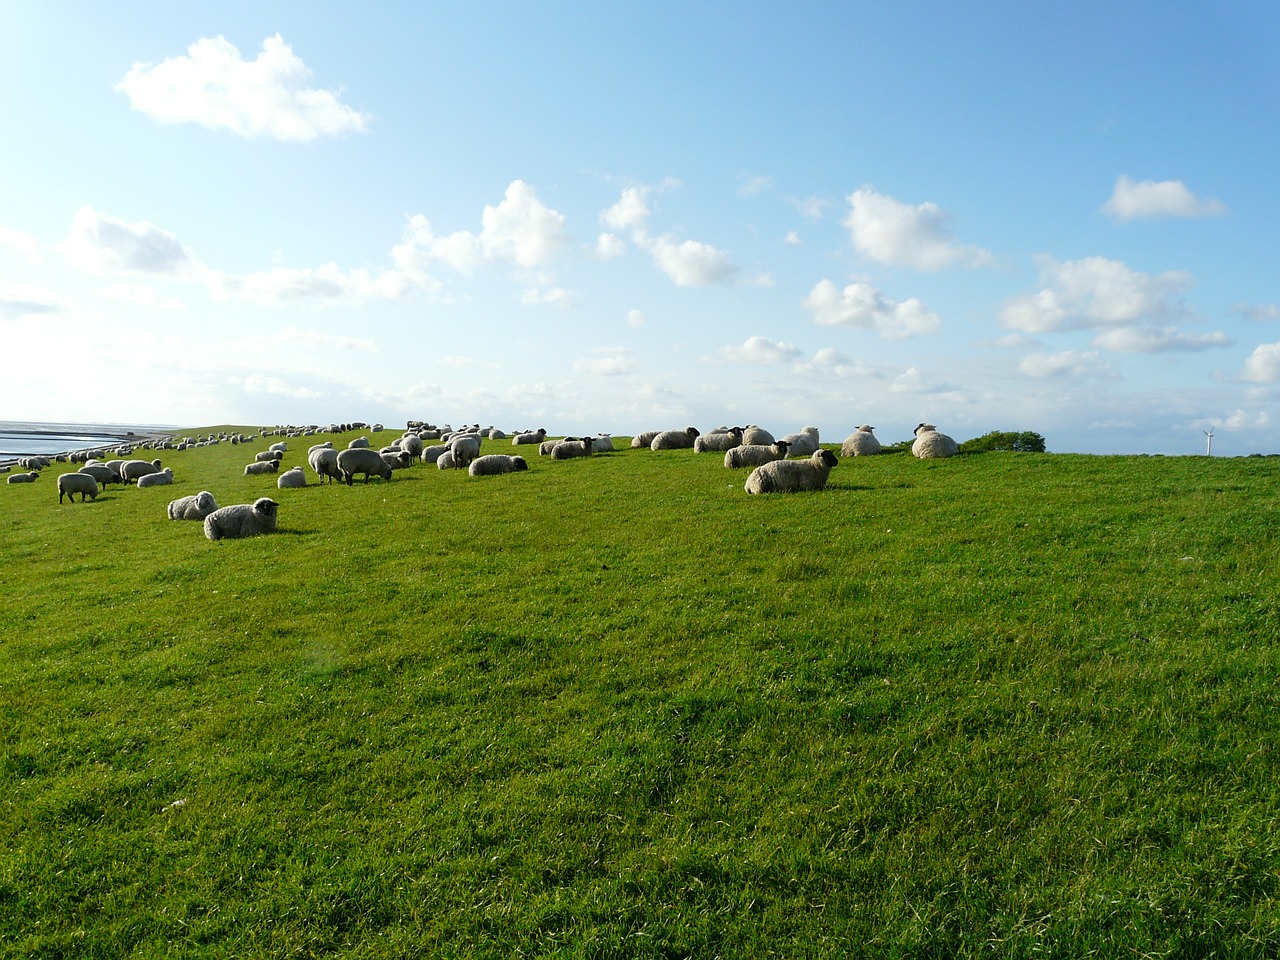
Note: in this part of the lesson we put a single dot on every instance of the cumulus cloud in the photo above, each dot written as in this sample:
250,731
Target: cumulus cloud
1263,365
606,362
899,234
275,386
792,239
812,208
762,350
691,263
609,246
215,87
98,243
1067,363
1165,199
636,318
1157,340
862,306
630,214
22,300
328,282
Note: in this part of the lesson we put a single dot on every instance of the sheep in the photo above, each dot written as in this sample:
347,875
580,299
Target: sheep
396,459
131,470
718,441
362,460
496,434
242,520
545,448
529,437
195,507
861,443
327,445
757,436
465,447
432,453
642,440
754,454
291,479
358,443
493,464
262,456
324,461
411,444
260,467
81,483
802,444
791,476
571,447
675,439
279,447
601,443
161,479
929,444
22,477
445,460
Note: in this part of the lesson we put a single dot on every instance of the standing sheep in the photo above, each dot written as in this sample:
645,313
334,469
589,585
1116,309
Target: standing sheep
791,476
861,443
362,460
324,461
466,448
929,444
494,464
242,520
754,454
131,470
102,473
195,507
81,483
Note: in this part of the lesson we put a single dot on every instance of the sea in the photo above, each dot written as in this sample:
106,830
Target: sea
21,438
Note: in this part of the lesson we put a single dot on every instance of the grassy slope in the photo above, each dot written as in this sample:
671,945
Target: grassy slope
1003,705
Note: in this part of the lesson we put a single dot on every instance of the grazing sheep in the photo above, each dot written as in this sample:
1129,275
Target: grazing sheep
259,467
396,459
675,439
324,461
242,520
131,470
754,454
195,507
791,476
492,464
529,437
757,436
81,483
642,441
291,479
161,479
929,444
861,443
802,444
411,444
445,460
22,477
465,447
102,473
571,447
327,445
718,441
362,460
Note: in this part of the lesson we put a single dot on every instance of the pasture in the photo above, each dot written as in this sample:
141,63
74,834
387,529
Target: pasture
1004,705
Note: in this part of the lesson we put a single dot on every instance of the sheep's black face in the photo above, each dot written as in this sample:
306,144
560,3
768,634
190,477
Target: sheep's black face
520,464
267,507
829,458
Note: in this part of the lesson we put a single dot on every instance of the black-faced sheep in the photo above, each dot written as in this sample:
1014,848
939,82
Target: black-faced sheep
493,464
754,454
718,441
791,476
195,507
362,460
675,439
81,483
757,436
571,447
929,444
131,470
642,440
861,443
529,437
242,520
260,467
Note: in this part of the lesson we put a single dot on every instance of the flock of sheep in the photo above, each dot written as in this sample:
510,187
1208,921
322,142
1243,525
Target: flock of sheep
792,463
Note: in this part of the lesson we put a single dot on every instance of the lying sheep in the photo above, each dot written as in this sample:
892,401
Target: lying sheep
195,507
802,444
675,439
324,461
358,443
755,454
131,470
529,437
432,453
929,444
291,479
242,520
718,441
263,456
791,476
260,467
545,448
396,459
22,477
757,436
161,479
861,443
73,483
571,447
362,460
445,460
493,464
601,443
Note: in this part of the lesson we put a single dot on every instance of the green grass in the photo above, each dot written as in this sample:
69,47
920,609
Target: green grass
1006,705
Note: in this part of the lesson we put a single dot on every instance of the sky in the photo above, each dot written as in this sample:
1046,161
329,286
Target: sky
1049,217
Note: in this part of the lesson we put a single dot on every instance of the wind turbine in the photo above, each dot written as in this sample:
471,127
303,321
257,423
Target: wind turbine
1208,449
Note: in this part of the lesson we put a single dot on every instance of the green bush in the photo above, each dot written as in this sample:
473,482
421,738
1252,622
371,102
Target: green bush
998,440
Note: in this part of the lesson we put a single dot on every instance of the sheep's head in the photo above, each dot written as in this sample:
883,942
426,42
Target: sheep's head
925,427
519,463
826,458
266,507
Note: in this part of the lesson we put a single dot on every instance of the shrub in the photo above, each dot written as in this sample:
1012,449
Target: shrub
996,440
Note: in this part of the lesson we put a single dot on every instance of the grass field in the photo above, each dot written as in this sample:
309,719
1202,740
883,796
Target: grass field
1005,705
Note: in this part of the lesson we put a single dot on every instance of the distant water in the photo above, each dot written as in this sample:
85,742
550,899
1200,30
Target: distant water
20,438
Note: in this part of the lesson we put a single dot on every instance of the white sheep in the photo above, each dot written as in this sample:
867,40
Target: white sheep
362,460
929,444
163,478
757,436
642,441
324,461
754,454
131,470
802,444
432,453
718,441
602,443
861,443
675,439
22,477
102,473
195,507
358,443
262,456
529,437
81,483
445,460
571,447
260,467
465,447
242,520
291,479
546,446
492,464
411,444
791,476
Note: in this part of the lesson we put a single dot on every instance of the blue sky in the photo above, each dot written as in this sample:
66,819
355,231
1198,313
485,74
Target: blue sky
590,217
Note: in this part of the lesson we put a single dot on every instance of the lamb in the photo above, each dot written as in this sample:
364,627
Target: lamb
718,441
932,445
324,461
804,443
755,454
529,437
259,467
493,464
22,477
861,443
291,479
791,476
362,460
675,439
195,507
242,520
131,470
757,436
445,460
163,478
642,440
465,447
81,483
571,447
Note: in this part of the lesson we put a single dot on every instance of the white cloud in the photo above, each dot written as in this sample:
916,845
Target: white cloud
327,282
555,297
23,243
98,243
609,246
1093,292
1151,200
1157,340
22,300
812,208
1258,311
630,213
762,350
313,339
792,239
751,186
214,87
607,362
862,306
275,386
636,318
691,263
1263,365
1067,363
898,234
